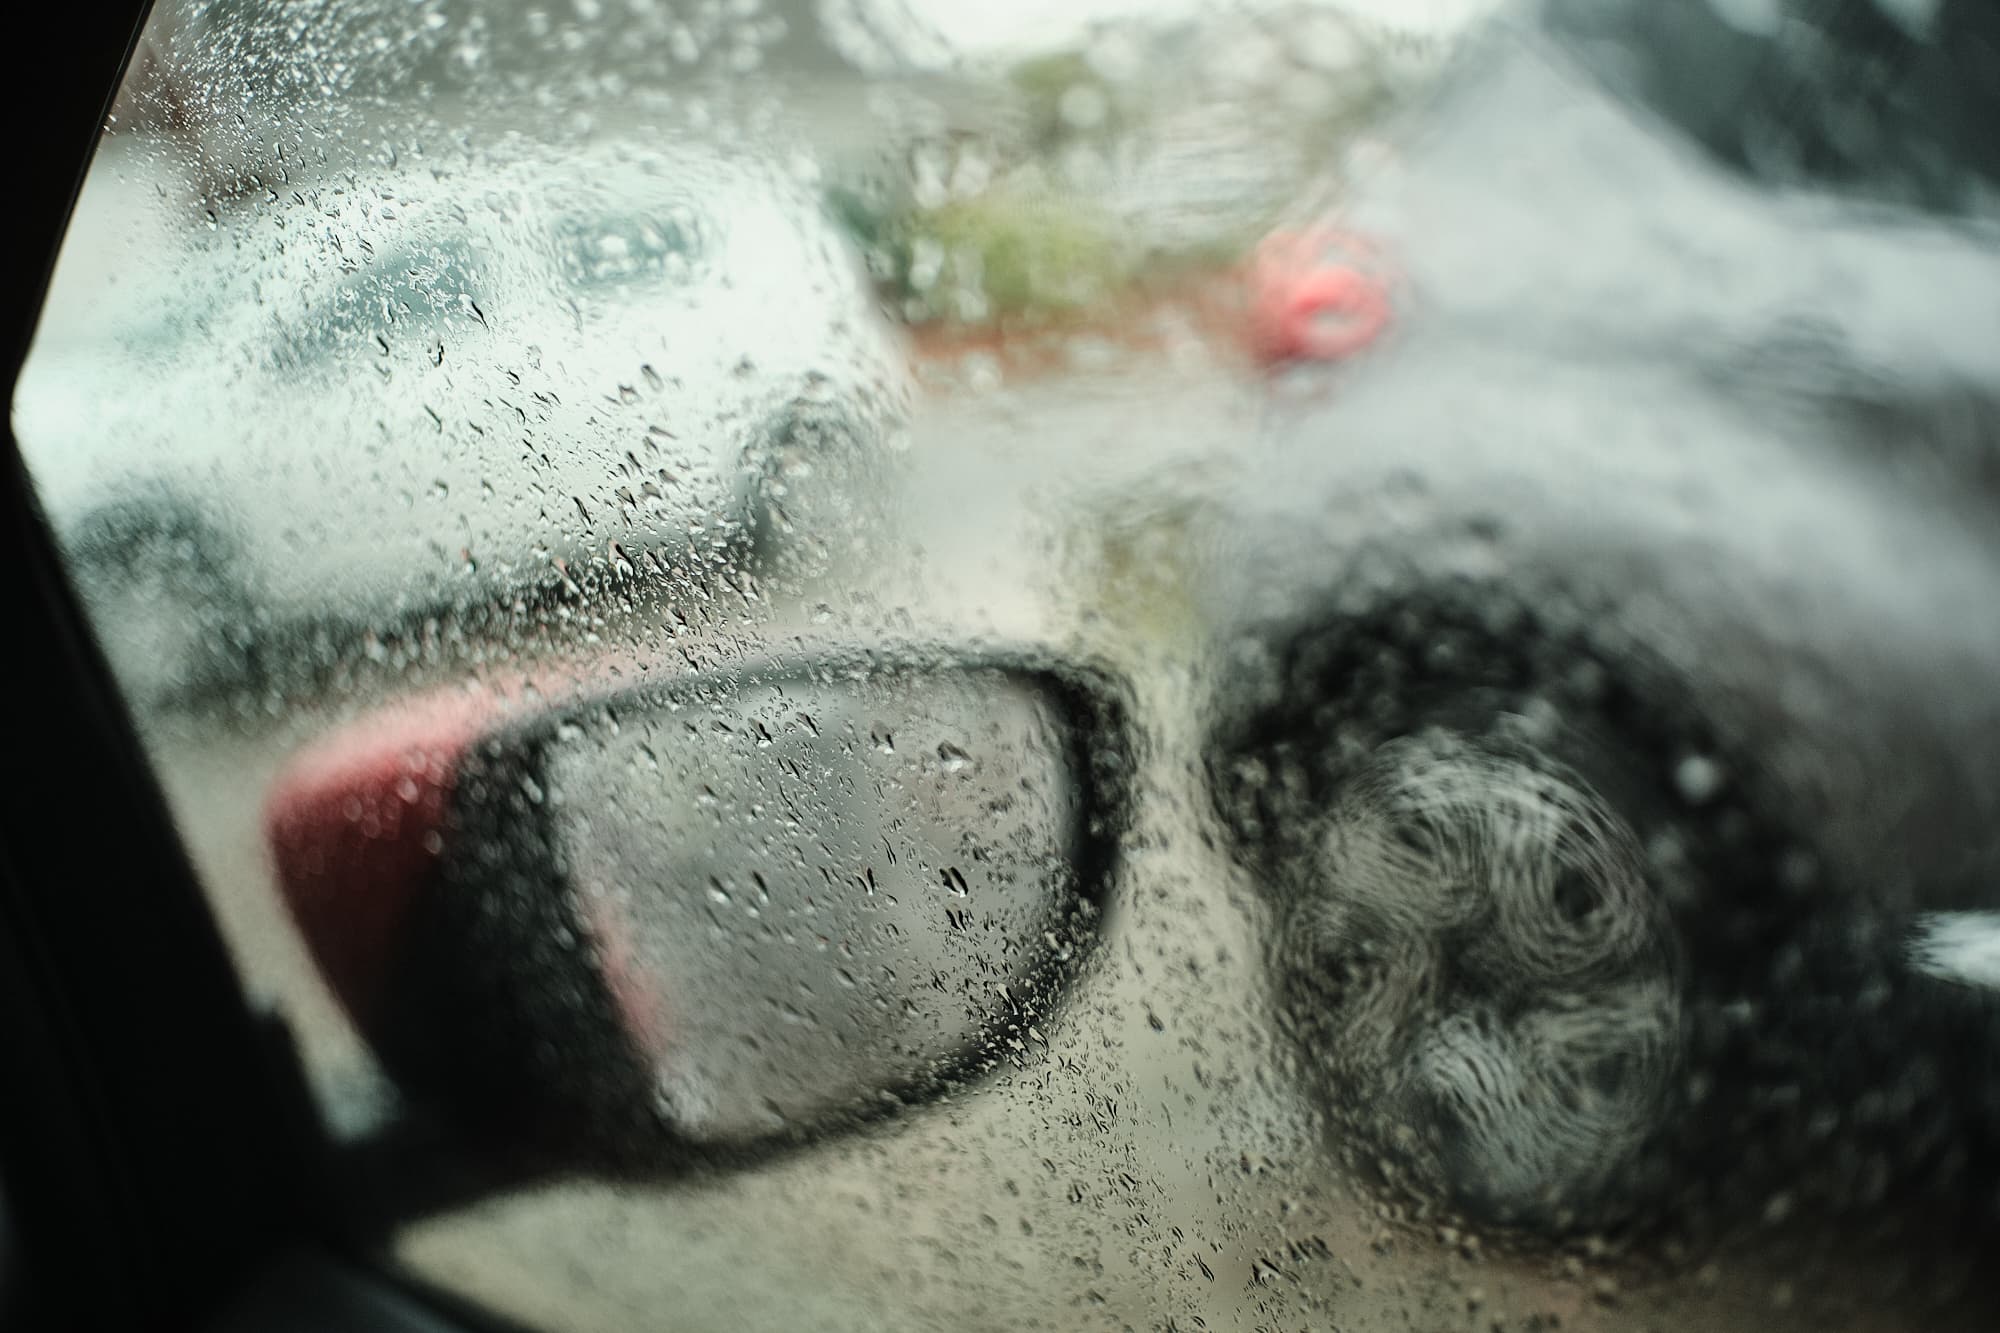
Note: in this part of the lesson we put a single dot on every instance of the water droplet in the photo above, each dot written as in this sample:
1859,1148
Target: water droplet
1698,778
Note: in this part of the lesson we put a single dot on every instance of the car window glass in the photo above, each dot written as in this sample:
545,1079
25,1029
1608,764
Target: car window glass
1308,664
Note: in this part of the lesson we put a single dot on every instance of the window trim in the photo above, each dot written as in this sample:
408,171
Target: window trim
158,1144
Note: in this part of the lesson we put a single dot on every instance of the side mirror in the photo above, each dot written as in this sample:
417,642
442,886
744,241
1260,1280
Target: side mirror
733,913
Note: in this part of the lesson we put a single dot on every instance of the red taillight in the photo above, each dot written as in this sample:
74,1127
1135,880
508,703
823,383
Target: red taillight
1315,295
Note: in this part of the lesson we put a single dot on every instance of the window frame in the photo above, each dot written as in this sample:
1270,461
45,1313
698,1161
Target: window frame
164,1162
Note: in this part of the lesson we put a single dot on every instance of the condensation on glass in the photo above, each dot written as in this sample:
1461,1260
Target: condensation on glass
1288,664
